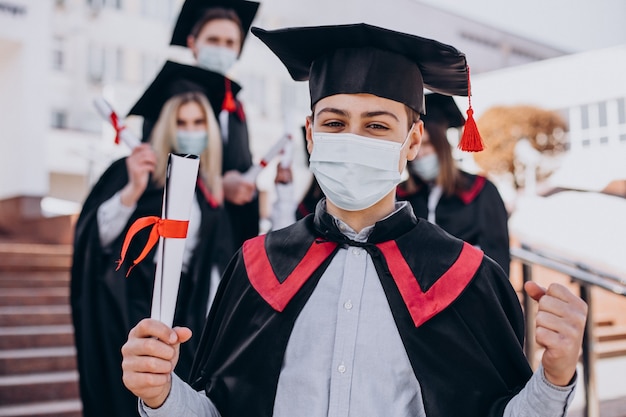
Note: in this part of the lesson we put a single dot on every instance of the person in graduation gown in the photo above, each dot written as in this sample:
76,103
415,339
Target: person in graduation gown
105,304
363,309
467,206
215,32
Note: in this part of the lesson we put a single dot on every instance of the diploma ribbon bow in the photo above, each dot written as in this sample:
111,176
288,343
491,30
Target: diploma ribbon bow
160,227
116,125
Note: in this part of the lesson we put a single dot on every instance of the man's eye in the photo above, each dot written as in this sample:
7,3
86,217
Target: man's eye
377,126
333,124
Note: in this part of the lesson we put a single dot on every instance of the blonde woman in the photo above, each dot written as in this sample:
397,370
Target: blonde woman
132,188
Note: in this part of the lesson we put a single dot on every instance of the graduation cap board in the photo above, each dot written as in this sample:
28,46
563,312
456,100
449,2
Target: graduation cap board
193,10
175,78
361,58
442,109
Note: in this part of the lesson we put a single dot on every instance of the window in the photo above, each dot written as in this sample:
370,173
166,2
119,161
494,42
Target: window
114,4
95,66
120,73
602,114
58,119
58,55
584,117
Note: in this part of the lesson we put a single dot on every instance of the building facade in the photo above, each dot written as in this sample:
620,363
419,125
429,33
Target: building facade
58,55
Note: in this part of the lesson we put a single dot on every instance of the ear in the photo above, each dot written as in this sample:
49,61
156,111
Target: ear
415,140
308,126
191,44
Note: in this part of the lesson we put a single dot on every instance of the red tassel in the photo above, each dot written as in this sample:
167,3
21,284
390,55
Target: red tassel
470,140
229,101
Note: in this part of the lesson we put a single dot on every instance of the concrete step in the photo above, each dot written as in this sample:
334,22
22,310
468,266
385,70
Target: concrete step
36,336
23,389
37,360
35,296
34,315
33,256
34,279
66,408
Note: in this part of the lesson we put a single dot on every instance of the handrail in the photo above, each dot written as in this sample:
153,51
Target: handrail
586,277
577,271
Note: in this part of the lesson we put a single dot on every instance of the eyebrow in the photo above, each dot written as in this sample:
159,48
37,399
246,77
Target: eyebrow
379,113
333,110
368,114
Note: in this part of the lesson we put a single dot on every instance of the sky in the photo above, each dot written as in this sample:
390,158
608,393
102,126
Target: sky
573,25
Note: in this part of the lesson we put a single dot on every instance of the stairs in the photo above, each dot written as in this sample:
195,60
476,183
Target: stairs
38,376
610,340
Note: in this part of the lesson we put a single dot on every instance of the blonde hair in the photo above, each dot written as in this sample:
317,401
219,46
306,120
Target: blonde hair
163,140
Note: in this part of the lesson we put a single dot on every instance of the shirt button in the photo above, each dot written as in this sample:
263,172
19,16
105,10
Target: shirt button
347,305
356,251
341,369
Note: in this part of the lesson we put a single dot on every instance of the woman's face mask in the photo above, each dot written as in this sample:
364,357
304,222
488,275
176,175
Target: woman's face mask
355,172
426,167
192,142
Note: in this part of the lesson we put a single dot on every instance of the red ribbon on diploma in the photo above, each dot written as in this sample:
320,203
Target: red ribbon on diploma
117,127
160,227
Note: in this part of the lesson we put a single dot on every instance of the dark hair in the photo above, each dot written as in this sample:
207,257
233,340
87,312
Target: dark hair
449,177
412,115
217,13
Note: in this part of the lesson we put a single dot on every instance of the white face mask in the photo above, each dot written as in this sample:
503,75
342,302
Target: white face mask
192,142
216,58
426,167
355,172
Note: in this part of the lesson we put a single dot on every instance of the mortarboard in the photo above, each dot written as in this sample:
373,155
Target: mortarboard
361,58
441,108
175,78
193,10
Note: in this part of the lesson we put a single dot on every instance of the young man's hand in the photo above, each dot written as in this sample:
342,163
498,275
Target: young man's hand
149,357
560,324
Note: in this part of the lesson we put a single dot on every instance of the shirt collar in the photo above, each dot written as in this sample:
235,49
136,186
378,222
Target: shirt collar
395,224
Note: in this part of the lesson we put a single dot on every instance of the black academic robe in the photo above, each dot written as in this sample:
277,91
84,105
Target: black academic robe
106,304
456,312
237,156
475,214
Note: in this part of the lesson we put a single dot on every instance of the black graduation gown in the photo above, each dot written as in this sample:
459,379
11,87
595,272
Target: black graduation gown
106,304
463,329
475,214
237,156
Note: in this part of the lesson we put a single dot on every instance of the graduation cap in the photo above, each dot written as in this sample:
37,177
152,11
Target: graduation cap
175,78
360,58
442,109
193,10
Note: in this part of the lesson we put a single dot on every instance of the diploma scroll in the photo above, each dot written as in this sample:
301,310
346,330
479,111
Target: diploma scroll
182,173
109,115
252,173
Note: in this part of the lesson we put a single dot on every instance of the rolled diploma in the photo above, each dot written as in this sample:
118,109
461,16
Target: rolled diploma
178,195
253,172
106,111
